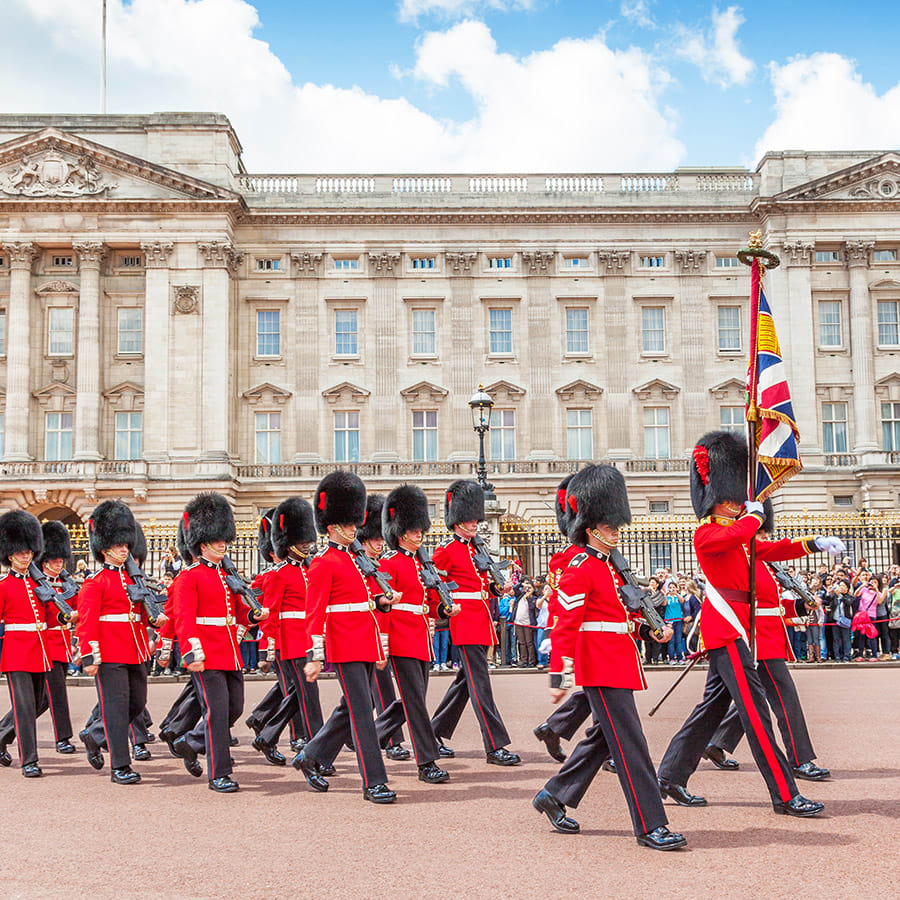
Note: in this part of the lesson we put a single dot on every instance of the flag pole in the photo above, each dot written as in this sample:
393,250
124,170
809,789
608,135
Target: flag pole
103,62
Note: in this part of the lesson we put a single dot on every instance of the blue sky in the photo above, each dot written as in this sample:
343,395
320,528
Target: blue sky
442,85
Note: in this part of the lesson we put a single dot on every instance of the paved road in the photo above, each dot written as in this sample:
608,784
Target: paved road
73,833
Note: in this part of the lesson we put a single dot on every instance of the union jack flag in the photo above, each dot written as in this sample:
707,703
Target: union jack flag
769,407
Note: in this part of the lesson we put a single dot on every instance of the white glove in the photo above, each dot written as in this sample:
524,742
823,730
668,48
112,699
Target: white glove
544,649
754,506
833,546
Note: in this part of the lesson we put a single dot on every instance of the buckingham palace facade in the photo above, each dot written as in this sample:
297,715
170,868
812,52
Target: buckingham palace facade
170,322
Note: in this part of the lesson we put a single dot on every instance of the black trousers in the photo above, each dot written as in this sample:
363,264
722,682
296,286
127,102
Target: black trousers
296,720
184,713
25,690
731,676
55,698
785,702
412,683
616,732
122,694
221,695
351,720
526,652
570,715
383,696
268,705
301,702
473,681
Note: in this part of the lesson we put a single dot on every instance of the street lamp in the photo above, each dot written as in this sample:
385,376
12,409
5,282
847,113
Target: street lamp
481,405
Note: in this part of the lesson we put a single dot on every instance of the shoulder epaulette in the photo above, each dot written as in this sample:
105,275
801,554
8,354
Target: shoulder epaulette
388,554
193,565
4,576
446,543
277,567
578,560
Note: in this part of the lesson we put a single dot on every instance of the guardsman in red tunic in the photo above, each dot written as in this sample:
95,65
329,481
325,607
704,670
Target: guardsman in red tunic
342,626
595,636
112,635
718,485
209,620
472,630
404,523
25,659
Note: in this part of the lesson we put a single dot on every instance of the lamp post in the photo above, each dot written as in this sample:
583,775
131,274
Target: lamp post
481,405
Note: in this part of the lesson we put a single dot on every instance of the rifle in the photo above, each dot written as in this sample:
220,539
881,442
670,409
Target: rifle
249,595
633,595
46,593
791,583
432,580
485,563
370,570
140,593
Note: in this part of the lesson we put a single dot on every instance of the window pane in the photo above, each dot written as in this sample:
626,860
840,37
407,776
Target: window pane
834,427
653,323
130,329
128,435
268,437
423,331
656,433
268,332
501,330
731,418
830,323
503,434
729,327
887,323
345,343
62,328
58,436
576,331
579,434
346,437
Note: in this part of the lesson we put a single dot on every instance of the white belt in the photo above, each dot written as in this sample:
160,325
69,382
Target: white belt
467,595
57,628
614,627
350,607
120,617
220,621
27,626
411,608
771,611
298,614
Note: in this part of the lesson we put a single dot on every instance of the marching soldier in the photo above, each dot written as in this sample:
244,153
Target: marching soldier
594,637
342,626
472,630
718,488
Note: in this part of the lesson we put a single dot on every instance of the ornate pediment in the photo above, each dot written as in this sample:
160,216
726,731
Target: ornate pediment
347,392
874,179
58,287
656,389
55,396
127,395
505,391
579,390
731,388
266,394
424,390
888,388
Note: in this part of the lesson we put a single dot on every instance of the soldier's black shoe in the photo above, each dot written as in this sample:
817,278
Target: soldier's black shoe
545,802
253,725
503,757
444,751
326,770
32,770
233,741
432,774
124,775
608,765
272,754
297,745
5,758
310,772
168,738
182,749
809,771
141,753
397,753
799,806
716,755
94,756
151,738
65,747
551,740
224,784
379,793
662,839
680,794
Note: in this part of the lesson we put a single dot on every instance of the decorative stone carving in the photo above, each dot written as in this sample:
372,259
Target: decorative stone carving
220,254
347,392
656,389
383,263
579,390
187,298
878,189
888,388
798,253
505,392
59,371
57,287
52,174
90,253
55,396
140,493
538,260
127,395
307,262
156,254
858,252
90,493
614,260
266,394
40,495
21,254
424,390
733,388
690,260
460,260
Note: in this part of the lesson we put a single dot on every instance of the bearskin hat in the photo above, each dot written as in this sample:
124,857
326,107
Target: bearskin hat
596,496
560,507
57,544
111,523
405,509
768,525
340,499
207,518
464,503
181,544
371,527
264,535
718,471
19,530
139,550
293,522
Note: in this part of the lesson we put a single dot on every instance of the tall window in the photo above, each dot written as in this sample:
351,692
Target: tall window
577,330
345,333
268,437
423,335
268,332
503,434
2,332
830,323
346,436
656,432
729,327
58,436
888,323
579,434
731,418
61,322
129,426
890,426
501,330
834,427
660,555
131,329
425,435
653,329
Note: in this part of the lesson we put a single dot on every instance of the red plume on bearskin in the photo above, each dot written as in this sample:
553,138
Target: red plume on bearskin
600,498
405,509
560,507
340,500
181,543
19,530
264,535
293,522
719,467
465,503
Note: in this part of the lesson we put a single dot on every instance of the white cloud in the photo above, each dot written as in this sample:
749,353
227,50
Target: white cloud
577,106
410,10
822,103
716,52
638,13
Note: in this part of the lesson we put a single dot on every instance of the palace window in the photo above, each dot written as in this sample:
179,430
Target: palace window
729,327
656,432
131,261
423,332
828,256
577,330
347,265
500,321
731,418
425,435
834,427
727,262
884,256
653,262
576,262
499,262
660,555
830,323
268,264
268,437
659,508
579,434
130,330
268,332
346,436
345,332
57,436
62,262
503,434
888,323
423,262
129,429
890,426
653,329
61,330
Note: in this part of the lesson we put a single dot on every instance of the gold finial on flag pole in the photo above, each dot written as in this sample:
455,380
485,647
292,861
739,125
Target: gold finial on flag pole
754,250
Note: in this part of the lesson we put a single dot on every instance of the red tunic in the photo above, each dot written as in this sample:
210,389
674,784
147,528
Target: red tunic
110,627
407,621
559,562
59,637
474,624
722,547
284,590
588,594
207,616
24,650
334,582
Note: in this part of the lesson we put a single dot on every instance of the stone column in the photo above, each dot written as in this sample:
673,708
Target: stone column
307,408
87,364
540,405
18,346
464,375
695,322
862,347
384,319
612,265
156,350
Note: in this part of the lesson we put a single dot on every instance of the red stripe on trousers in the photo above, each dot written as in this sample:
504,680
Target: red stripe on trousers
784,710
12,694
412,737
475,696
359,753
302,698
209,744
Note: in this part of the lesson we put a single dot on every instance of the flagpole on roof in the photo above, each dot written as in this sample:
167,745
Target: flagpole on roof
103,61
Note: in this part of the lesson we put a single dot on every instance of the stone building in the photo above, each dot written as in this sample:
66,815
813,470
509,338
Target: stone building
171,322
